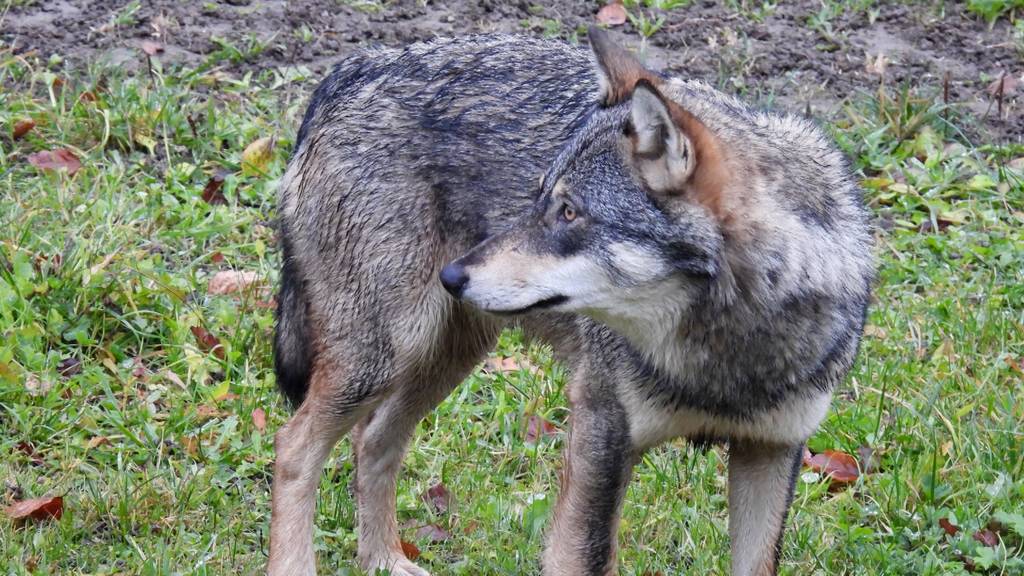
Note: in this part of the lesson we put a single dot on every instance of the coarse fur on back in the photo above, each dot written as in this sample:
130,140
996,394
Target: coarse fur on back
702,267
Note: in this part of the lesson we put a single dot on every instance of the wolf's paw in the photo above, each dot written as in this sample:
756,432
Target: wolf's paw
395,565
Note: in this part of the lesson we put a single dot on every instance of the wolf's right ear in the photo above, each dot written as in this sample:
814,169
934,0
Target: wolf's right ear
618,70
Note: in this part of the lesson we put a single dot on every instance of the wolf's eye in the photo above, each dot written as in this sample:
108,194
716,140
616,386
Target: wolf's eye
568,213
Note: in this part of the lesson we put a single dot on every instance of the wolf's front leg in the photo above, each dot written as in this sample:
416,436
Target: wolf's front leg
598,464
761,480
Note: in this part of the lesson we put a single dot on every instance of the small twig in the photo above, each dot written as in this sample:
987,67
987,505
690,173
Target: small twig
999,94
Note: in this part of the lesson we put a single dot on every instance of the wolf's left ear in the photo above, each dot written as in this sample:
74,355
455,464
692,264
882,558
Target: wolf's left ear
618,70
674,152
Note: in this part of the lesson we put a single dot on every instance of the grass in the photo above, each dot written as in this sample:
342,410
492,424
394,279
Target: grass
152,441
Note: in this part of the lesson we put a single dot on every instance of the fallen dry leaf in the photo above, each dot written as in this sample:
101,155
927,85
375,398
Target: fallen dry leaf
208,342
152,48
257,155
873,331
987,538
216,257
59,159
410,550
69,367
948,526
231,281
438,497
213,192
1008,83
612,14
259,419
22,127
97,441
432,533
36,509
840,467
537,428
206,412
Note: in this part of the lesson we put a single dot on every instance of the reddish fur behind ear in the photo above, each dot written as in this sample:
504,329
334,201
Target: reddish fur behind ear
710,175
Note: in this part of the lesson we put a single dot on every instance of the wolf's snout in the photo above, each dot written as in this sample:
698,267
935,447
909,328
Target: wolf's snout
454,279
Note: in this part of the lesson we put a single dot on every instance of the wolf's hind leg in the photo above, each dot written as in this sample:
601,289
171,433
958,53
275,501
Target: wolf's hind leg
335,402
383,436
761,480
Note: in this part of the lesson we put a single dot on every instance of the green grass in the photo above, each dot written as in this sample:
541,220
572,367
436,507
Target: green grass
163,471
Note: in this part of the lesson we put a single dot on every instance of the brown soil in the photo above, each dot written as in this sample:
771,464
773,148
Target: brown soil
781,59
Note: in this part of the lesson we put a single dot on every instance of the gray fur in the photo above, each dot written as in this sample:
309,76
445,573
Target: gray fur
695,325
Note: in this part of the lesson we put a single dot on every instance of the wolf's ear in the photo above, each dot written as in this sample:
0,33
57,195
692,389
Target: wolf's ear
618,70
674,151
661,149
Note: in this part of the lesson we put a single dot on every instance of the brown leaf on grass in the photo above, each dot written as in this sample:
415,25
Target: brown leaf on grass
206,412
231,281
259,419
612,14
152,48
213,192
840,467
69,367
948,526
191,445
208,342
257,156
217,257
96,441
22,127
87,96
1007,83
139,370
873,331
432,533
59,159
410,550
987,538
438,497
507,364
537,428
1015,364
36,509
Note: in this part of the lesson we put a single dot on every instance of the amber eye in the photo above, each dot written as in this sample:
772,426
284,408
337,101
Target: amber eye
568,213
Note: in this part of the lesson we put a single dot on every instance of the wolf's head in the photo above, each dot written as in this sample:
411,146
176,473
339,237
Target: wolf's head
626,219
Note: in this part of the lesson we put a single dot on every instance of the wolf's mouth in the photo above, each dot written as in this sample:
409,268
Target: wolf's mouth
538,305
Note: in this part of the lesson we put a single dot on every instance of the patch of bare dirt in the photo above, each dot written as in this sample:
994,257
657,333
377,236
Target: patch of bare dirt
778,58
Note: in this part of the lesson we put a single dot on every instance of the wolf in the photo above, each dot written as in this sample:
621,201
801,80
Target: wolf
702,267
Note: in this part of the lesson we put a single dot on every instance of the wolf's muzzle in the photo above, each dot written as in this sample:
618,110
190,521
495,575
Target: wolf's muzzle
454,279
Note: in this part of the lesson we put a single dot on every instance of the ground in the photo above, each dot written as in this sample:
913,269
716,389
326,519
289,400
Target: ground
136,292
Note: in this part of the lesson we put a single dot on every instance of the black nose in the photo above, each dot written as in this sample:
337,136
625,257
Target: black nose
454,279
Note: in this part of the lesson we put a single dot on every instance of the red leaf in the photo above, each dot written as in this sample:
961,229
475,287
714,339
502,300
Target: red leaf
217,257
438,497
58,159
432,533
36,509
152,48
948,526
208,342
987,538
259,419
22,127
537,428
840,467
613,14
213,193
410,550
